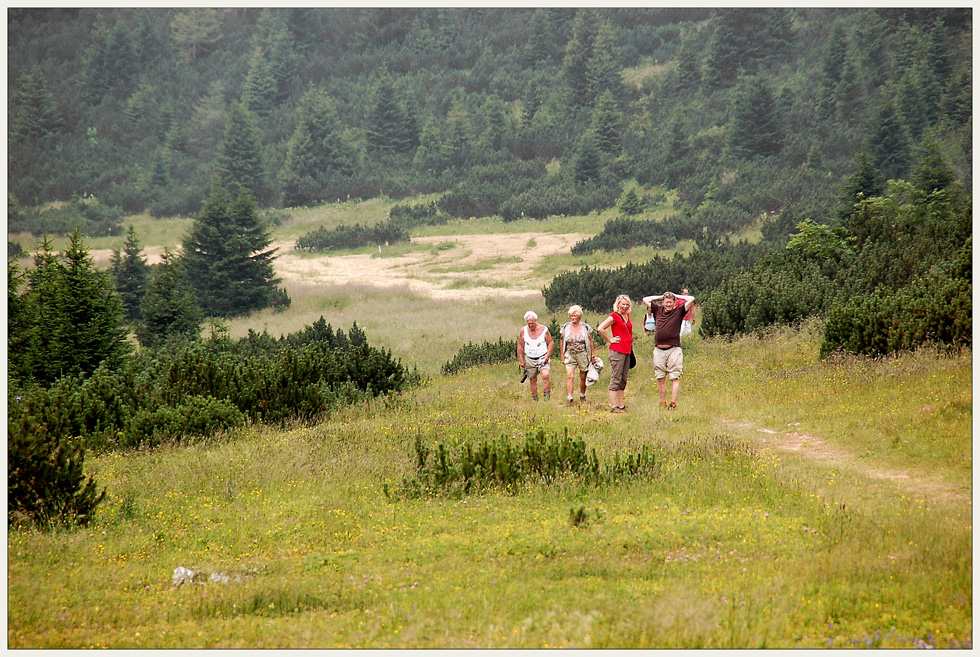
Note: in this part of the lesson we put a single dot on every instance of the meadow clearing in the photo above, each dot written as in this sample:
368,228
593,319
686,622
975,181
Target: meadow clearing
795,502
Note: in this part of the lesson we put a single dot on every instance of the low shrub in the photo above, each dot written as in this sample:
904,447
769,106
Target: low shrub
501,463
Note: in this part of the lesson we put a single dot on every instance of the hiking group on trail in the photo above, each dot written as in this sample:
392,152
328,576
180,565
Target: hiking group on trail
669,317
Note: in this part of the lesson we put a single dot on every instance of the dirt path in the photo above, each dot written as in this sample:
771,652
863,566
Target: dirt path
461,267
816,449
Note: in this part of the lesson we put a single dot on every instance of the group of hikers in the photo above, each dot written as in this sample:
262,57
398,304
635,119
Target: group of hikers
669,317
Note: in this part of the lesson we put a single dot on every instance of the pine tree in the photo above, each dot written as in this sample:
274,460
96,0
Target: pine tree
587,164
131,274
239,167
314,152
260,88
753,128
578,52
391,128
931,172
602,70
606,123
689,61
864,183
888,143
33,114
169,307
227,259
92,328
495,130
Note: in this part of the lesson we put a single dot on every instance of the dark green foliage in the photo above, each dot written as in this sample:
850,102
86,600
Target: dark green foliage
625,233
169,309
936,310
139,119
239,167
227,259
352,237
202,387
409,216
753,129
630,204
501,463
472,355
131,273
317,157
704,269
46,483
92,219
69,317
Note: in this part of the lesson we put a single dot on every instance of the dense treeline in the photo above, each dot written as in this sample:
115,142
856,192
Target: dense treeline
516,112
189,389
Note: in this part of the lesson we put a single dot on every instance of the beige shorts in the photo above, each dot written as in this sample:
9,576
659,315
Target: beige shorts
535,367
579,360
668,362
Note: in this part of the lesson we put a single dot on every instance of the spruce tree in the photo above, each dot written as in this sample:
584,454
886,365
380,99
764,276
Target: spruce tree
753,128
606,122
391,128
864,183
92,330
587,164
315,151
578,52
239,167
131,274
33,115
227,258
888,143
169,308
260,89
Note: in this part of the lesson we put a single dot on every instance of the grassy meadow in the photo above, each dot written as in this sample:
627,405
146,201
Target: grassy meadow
795,503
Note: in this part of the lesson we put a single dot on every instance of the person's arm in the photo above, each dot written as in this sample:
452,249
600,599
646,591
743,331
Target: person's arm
688,301
602,330
550,342
649,300
520,347
591,346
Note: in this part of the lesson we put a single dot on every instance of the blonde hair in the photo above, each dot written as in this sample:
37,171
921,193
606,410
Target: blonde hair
575,310
616,302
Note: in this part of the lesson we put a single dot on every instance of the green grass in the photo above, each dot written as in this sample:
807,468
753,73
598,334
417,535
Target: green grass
738,542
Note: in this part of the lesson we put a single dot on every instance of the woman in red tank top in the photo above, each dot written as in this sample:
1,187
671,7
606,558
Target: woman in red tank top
620,348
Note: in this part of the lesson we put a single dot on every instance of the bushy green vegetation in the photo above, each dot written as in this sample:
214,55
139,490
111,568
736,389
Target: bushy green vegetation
469,469
187,390
352,237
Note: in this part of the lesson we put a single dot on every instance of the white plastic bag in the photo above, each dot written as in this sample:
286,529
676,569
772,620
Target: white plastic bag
592,374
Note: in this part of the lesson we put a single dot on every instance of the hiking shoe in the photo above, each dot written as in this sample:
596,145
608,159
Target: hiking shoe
672,406
547,395
616,409
664,404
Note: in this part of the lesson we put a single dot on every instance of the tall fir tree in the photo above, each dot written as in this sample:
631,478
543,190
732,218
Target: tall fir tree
391,128
578,53
93,312
607,123
864,183
169,308
131,274
315,151
260,89
33,114
239,167
753,127
887,144
227,258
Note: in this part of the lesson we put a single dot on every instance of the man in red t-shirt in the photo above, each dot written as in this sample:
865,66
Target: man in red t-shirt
668,357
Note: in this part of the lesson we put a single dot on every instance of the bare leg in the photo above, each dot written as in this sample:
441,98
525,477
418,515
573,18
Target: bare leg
675,387
662,389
